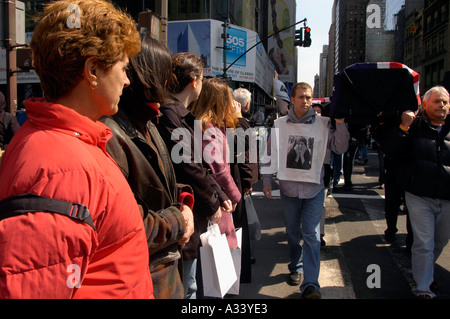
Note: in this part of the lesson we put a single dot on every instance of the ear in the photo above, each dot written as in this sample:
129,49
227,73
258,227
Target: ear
194,83
90,70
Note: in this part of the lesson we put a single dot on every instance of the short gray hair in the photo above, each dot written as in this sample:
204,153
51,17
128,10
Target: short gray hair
242,95
437,88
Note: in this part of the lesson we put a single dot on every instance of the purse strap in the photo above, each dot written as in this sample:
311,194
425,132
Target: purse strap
30,203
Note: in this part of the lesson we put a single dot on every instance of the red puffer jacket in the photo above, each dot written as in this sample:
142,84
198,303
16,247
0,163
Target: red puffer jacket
60,154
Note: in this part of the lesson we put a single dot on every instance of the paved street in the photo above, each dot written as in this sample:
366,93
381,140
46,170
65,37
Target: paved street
354,230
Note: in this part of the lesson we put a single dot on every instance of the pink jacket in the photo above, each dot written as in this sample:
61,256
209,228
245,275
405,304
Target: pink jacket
217,154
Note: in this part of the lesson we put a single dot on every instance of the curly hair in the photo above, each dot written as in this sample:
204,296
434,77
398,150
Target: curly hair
60,47
215,105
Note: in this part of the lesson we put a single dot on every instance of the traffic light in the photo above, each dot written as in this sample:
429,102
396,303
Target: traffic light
298,37
307,41
225,34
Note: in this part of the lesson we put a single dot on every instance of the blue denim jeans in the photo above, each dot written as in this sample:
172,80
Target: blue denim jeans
189,282
430,222
302,218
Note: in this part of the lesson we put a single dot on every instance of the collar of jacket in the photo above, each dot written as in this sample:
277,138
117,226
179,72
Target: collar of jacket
427,120
48,115
181,110
308,118
125,123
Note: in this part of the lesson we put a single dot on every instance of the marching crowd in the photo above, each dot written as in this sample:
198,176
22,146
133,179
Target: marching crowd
105,189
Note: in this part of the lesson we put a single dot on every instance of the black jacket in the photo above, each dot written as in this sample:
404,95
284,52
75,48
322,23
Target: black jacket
146,165
208,194
423,157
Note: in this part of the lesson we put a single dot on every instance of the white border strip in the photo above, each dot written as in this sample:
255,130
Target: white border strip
276,193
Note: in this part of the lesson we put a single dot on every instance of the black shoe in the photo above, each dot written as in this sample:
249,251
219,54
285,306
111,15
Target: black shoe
311,293
322,241
434,287
294,278
389,236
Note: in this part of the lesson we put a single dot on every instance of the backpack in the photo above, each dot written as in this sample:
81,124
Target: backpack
25,203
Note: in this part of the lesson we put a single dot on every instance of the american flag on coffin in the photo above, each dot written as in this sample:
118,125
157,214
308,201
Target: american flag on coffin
363,92
321,100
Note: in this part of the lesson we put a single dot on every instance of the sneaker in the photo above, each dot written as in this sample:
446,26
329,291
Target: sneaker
322,241
424,296
434,287
311,293
294,278
390,235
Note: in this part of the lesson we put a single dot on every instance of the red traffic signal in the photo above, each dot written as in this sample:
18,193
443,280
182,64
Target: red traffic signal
307,37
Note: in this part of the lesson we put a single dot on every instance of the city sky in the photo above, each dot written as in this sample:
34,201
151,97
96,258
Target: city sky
319,16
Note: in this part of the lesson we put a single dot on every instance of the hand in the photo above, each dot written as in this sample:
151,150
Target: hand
407,118
215,219
189,221
227,206
248,191
340,121
267,190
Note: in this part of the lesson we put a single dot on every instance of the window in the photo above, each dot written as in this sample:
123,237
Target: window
441,42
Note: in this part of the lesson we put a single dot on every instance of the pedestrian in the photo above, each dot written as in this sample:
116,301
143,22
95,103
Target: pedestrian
60,154
244,97
245,171
422,145
175,123
393,192
318,108
214,109
302,190
8,124
143,157
358,136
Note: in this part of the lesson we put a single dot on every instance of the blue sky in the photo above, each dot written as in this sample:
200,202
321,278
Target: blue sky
318,13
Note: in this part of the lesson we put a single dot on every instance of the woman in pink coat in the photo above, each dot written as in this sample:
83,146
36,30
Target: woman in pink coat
214,108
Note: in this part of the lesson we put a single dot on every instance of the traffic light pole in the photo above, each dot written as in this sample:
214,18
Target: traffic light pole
11,75
224,63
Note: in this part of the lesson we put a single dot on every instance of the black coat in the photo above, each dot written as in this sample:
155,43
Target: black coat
208,195
245,176
423,157
145,163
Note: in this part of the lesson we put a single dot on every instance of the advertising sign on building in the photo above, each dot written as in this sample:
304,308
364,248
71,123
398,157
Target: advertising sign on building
203,38
281,14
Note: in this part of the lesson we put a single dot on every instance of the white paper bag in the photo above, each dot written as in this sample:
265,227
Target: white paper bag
218,271
236,254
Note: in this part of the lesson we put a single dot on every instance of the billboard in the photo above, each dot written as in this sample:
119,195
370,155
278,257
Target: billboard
281,14
203,38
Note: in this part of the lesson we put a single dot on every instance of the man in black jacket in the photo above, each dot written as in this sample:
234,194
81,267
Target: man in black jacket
422,144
